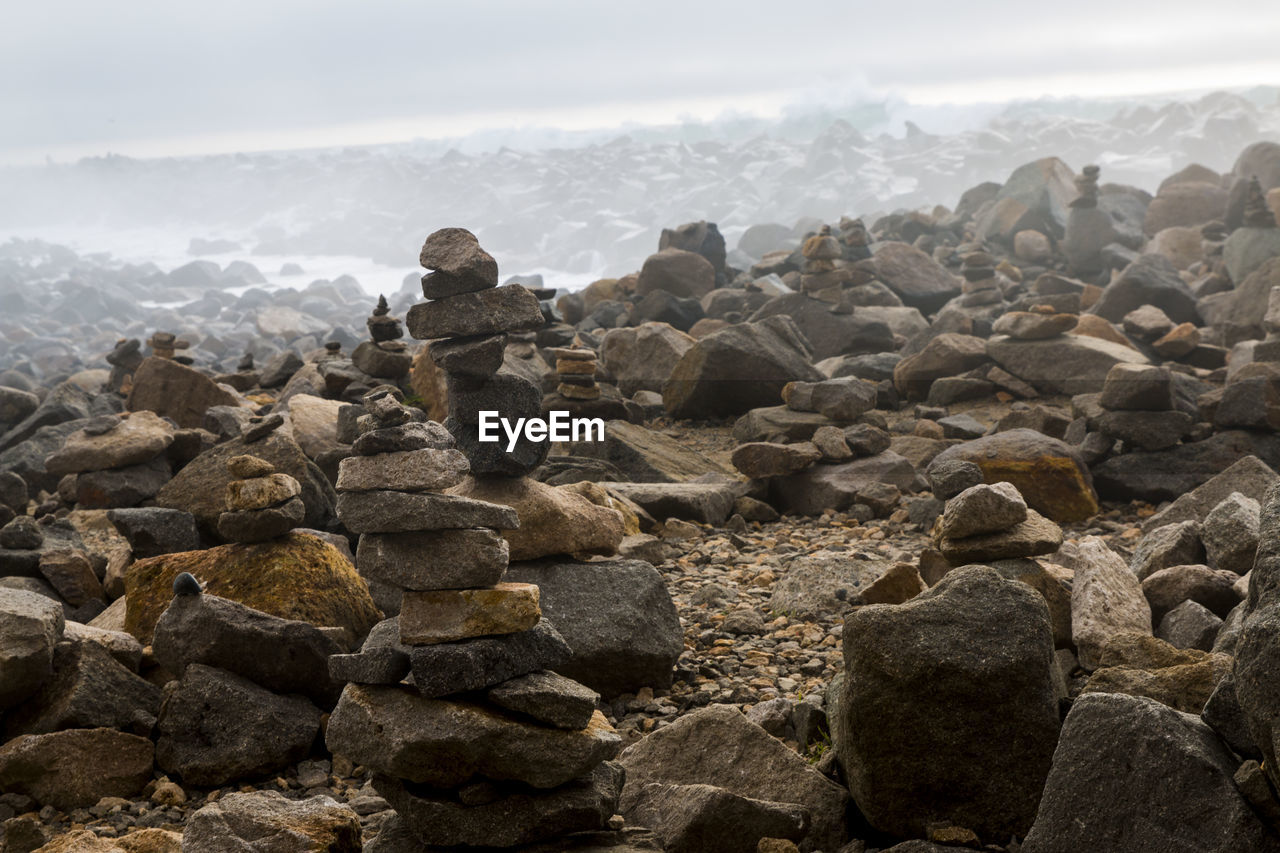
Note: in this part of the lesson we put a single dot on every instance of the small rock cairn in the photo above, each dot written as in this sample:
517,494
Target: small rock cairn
1257,214
576,370
262,504
385,356
486,746
166,345
820,277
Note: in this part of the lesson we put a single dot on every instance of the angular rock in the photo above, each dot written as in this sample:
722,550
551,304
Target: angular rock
409,471
552,520
1033,537
381,659
1190,625
152,531
261,492
252,526
213,631
1248,475
30,627
767,459
617,618
443,669
983,509
1106,600
137,439
215,727
820,586
76,768
1171,545
1230,533
963,671
707,819
838,487
447,744
1072,364
401,512
510,308
175,391
547,697
1150,778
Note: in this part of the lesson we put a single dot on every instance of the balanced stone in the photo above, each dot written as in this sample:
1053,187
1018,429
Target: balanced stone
434,559
983,509
382,326
403,512
259,525
548,698
409,436
460,264
449,615
405,471
446,744
246,467
471,357
1035,536
261,492
446,668
510,308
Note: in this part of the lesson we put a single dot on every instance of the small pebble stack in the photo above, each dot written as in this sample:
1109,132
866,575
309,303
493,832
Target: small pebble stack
576,370
993,522
262,504
1139,407
166,345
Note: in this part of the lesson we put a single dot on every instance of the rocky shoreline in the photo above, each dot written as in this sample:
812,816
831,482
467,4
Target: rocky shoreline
951,530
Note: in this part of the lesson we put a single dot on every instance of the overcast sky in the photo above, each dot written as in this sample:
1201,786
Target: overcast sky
175,77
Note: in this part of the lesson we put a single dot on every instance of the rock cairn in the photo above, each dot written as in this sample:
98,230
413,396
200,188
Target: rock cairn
855,239
166,345
1087,186
1257,214
981,282
523,755
820,277
1089,228
576,372
1140,408
993,522
385,356
262,503
124,360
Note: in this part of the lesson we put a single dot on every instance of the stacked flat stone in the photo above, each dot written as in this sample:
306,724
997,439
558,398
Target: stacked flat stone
1140,407
124,360
467,321
262,503
1089,230
981,281
385,356
576,370
484,745
820,276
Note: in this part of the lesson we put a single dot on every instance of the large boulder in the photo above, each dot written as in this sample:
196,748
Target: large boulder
641,358
616,616
30,626
200,487
719,746
948,354
295,577
917,279
738,368
828,332
948,711
648,456
77,767
1049,473
680,273
175,391
1185,203
1068,364
131,441
1249,476
1132,774
1257,652
837,487
1150,280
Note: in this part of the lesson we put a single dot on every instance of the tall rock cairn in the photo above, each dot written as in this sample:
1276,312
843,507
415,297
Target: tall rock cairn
485,746
384,356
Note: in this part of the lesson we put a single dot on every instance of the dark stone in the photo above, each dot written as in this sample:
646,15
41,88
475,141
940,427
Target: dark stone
381,660
446,668
152,531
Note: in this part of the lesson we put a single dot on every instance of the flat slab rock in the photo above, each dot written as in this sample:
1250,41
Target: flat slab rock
548,698
406,471
446,668
434,559
449,615
402,512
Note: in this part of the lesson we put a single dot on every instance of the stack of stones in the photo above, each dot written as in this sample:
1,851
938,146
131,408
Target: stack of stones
1087,186
820,277
1139,407
262,504
385,356
1089,228
981,283
993,522
113,461
124,360
1039,323
576,372
467,321
856,240
1257,214
484,745
245,378
166,345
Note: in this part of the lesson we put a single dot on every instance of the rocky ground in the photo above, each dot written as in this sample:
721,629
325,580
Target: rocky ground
954,530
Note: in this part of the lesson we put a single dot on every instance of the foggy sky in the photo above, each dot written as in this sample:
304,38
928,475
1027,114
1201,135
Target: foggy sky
154,77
